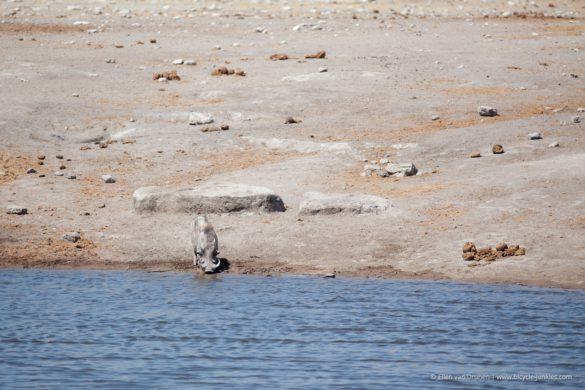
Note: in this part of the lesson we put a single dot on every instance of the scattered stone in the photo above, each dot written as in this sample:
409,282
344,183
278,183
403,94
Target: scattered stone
329,276
435,118
384,161
179,61
58,173
223,71
581,109
575,119
471,253
290,120
210,129
326,204
71,236
497,149
74,95
475,155
172,75
190,62
42,175
62,166
101,206
41,157
535,136
31,170
59,157
279,57
400,170
153,41
18,210
318,55
554,145
199,118
84,147
208,198
111,61
70,176
487,111
108,179
381,172
40,162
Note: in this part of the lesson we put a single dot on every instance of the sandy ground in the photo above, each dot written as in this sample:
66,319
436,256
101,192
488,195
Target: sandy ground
391,67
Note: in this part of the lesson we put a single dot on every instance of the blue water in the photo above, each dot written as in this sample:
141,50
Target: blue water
121,330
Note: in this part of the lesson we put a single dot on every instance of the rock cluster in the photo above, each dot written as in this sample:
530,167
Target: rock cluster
223,71
471,253
172,75
391,169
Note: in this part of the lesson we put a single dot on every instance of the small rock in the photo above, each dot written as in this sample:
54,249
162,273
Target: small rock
371,167
179,61
18,210
190,62
487,111
520,252
290,120
469,247
535,136
102,206
108,179
279,57
199,118
41,157
111,61
71,176
318,55
384,161
40,162
59,157
435,118
502,246
329,276
62,166
475,155
581,109
468,256
153,41
31,170
497,149
382,172
58,173
74,95
71,236
400,170
554,145
323,70
575,119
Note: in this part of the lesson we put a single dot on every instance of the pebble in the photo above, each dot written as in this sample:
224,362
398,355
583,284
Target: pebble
329,276
475,155
290,120
323,70
190,62
382,172
110,61
71,176
554,145
62,167
59,157
41,157
435,118
384,161
179,61
58,173
497,149
71,236
74,95
575,119
31,170
108,179
581,109
102,206
534,136
18,210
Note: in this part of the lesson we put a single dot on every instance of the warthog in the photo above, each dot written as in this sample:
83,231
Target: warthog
205,245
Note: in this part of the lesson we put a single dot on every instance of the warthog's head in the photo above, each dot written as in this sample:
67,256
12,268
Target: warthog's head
206,249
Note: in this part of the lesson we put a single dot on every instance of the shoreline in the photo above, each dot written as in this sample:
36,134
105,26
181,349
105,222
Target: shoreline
236,268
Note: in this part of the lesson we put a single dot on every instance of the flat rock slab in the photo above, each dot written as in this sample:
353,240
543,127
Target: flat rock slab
207,199
319,203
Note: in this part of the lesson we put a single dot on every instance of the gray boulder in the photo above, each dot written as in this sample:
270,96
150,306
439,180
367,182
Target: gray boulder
199,118
18,210
401,169
207,199
319,203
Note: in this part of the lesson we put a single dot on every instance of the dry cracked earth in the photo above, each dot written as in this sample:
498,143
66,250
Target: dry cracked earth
77,74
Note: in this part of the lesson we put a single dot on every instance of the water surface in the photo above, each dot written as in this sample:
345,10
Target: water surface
119,330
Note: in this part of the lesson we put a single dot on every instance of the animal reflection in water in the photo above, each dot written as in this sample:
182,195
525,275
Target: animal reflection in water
205,246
